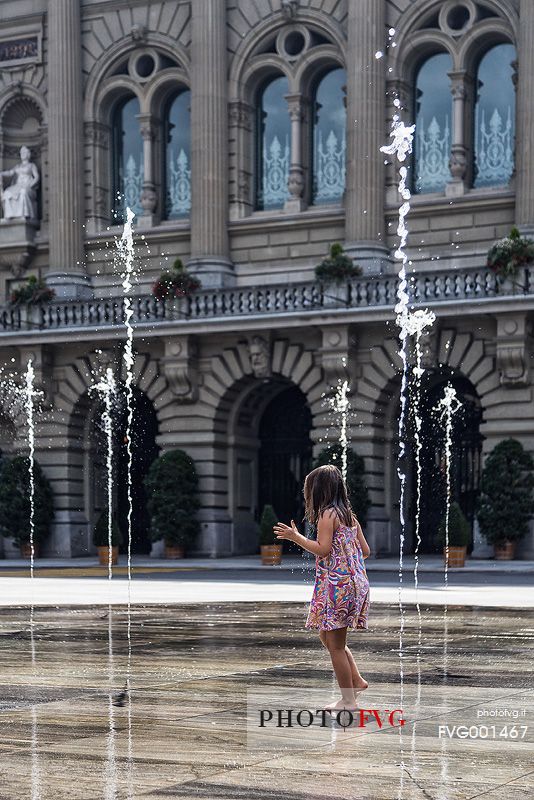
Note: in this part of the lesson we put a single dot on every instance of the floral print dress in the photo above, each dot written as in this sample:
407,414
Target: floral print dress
341,592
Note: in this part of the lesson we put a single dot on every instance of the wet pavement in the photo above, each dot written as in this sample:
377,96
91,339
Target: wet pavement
69,731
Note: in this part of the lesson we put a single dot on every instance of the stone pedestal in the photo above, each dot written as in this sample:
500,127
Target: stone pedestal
17,246
70,535
70,285
481,549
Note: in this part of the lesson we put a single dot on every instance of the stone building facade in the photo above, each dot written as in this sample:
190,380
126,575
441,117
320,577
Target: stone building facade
246,135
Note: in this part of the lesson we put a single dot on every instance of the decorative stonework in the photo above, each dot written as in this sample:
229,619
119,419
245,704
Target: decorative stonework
512,349
335,354
259,351
180,367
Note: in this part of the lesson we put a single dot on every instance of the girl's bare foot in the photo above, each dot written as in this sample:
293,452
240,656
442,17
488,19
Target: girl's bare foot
359,684
342,705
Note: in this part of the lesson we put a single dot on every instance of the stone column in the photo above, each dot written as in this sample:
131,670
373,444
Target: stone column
366,88
462,97
148,194
524,151
209,144
295,202
67,274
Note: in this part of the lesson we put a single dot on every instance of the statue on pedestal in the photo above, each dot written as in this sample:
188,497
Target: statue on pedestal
19,199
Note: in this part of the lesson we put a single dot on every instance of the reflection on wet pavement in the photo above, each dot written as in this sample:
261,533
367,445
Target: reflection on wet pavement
181,731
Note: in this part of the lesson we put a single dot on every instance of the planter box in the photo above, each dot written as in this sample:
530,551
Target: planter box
173,551
504,552
456,556
103,555
271,554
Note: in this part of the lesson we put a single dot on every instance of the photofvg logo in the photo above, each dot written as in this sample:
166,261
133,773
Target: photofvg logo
499,723
344,718
286,718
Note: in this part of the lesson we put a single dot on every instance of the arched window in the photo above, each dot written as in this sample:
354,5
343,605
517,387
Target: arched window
495,118
329,138
127,158
273,132
433,111
178,156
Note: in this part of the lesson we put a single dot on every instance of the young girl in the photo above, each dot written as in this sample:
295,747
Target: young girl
341,593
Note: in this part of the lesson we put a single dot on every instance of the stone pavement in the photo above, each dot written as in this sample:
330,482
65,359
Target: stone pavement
68,731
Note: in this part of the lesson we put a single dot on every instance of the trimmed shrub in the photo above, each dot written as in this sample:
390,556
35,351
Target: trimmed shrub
267,522
172,499
459,528
101,533
505,504
15,501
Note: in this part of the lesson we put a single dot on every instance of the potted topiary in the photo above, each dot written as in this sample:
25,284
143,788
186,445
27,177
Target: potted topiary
356,486
506,504
172,492
15,505
458,538
101,538
270,547
507,255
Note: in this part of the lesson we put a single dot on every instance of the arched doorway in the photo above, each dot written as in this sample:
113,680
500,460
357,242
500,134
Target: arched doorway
285,454
466,452
144,451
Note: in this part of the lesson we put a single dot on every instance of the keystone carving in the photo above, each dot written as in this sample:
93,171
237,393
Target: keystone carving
180,368
512,349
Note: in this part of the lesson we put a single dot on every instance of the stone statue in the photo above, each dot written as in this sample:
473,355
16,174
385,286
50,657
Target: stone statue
260,356
19,200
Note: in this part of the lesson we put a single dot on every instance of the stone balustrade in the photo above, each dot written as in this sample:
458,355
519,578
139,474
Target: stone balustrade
461,287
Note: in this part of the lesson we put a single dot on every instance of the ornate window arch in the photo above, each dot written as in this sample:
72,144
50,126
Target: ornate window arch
276,134
472,33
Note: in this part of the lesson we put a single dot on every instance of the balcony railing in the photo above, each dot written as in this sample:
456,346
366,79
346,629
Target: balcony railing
426,289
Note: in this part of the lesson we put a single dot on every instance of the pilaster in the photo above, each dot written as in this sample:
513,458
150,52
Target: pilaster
366,86
525,120
209,150
67,272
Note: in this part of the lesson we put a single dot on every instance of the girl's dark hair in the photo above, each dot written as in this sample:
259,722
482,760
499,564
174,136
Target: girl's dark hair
324,488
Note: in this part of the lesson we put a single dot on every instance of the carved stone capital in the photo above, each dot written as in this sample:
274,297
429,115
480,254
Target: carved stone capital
180,367
240,114
296,104
97,134
512,349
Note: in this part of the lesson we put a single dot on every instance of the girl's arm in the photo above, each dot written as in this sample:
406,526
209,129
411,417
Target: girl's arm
325,533
366,550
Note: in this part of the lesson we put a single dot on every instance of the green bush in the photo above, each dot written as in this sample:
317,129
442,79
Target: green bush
172,499
15,501
267,522
101,533
459,528
337,267
356,485
505,504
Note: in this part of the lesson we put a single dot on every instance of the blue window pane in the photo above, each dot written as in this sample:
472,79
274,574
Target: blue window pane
433,124
495,118
178,157
273,152
329,138
128,159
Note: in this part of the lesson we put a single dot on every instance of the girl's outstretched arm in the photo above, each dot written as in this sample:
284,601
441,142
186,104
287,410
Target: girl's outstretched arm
325,533
366,550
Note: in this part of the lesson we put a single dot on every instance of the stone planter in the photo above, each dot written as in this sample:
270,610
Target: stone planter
504,551
103,555
174,551
456,556
26,550
176,308
271,554
335,294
